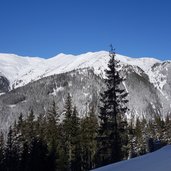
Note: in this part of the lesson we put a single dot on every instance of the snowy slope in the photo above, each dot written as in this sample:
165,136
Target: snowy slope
157,161
14,67
22,70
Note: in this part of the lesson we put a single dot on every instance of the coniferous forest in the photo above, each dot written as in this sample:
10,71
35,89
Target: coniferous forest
70,143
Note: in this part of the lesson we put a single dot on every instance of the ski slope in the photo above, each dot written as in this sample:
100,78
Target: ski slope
157,161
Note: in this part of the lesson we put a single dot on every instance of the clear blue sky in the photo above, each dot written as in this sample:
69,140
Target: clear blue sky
47,27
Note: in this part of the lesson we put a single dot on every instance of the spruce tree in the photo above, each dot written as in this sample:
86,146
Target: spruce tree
112,115
75,141
89,127
52,132
52,126
67,130
140,137
71,136
11,160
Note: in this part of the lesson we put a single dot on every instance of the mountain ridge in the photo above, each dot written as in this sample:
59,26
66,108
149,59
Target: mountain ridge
21,70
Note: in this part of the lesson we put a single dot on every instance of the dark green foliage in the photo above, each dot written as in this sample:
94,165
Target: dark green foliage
75,141
140,137
67,130
111,137
89,127
38,155
26,152
11,162
71,135
51,131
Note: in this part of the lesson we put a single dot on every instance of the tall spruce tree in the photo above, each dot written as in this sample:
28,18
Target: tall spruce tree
89,127
75,141
52,133
67,132
112,115
71,136
52,126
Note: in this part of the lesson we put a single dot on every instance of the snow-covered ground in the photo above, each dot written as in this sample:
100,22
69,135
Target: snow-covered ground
22,70
157,161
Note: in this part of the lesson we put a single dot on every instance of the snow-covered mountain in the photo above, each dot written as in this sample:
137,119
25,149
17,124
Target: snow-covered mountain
22,70
32,82
157,161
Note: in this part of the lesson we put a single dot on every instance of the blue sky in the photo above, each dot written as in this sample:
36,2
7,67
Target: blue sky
45,28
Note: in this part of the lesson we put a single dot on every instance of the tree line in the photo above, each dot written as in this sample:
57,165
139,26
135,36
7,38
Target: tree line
51,143
47,143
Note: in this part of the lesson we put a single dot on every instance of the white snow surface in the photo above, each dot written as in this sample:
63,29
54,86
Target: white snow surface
157,161
22,70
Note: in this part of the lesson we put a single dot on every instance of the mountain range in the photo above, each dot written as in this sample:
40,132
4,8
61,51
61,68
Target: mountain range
33,83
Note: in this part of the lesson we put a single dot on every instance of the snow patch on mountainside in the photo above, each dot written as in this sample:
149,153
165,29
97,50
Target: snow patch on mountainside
157,77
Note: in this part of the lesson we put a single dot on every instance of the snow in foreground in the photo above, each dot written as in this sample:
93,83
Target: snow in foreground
157,161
